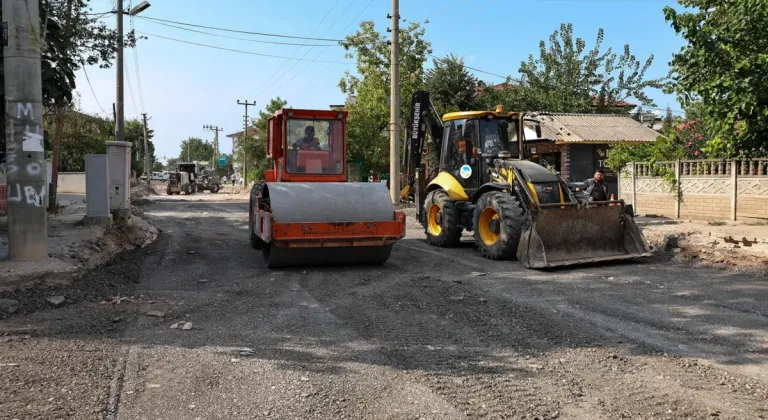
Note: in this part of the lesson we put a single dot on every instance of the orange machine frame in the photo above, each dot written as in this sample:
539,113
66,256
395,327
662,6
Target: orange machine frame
313,234
277,144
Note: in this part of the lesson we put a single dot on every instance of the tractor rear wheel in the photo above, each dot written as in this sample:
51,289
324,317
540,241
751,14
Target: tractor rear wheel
498,223
442,220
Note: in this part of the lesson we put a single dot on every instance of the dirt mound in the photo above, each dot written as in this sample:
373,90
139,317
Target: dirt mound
735,246
142,190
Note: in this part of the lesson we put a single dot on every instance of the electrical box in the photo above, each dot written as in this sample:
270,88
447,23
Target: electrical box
119,166
97,186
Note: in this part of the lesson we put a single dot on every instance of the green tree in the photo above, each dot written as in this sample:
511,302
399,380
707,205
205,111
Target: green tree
253,149
566,77
195,149
450,85
170,164
82,135
368,89
134,134
724,67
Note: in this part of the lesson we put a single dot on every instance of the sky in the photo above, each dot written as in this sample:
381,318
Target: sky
183,87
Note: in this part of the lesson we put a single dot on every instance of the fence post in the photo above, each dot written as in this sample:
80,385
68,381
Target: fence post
734,188
634,185
678,189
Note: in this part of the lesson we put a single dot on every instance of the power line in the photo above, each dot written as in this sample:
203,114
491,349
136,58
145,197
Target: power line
130,88
138,73
242,39
310,49
239,31
233,50
92,91
321,52
471,68
266,82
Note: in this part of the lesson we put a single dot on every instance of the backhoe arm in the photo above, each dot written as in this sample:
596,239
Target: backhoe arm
423,116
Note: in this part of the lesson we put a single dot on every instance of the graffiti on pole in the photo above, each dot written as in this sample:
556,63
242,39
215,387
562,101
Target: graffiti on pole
24,188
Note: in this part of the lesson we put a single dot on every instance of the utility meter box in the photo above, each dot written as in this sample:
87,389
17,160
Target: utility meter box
119,166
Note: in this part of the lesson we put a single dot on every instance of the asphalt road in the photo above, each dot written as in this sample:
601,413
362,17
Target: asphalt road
432,334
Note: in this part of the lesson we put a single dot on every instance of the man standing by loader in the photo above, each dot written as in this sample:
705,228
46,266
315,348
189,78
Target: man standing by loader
596,188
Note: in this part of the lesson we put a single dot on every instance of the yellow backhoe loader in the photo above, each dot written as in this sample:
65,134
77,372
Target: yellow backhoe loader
515,208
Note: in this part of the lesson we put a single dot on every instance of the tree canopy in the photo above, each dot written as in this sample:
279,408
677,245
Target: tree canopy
195,149
566,77
368,90
723,69
451,86
254,147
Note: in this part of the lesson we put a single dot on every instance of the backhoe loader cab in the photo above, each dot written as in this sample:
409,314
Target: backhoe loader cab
515,208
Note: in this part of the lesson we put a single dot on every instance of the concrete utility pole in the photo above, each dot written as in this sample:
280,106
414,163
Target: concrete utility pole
215,129
147,168
120,115
394,109
245,135
25,153
120,112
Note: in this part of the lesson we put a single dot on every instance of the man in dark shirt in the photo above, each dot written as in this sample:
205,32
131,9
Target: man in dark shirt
309,141
596,188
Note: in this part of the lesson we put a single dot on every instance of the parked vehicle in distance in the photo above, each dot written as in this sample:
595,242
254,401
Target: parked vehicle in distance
160,176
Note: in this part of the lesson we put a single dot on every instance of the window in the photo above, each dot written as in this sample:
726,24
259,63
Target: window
497,135
315,146
452,158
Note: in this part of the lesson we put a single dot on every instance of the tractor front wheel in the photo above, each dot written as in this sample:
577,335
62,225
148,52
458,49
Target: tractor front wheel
498,223
256,242
442,220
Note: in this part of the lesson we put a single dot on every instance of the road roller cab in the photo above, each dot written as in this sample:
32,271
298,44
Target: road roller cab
304,212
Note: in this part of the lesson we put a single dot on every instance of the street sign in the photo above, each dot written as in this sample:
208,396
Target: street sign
222,161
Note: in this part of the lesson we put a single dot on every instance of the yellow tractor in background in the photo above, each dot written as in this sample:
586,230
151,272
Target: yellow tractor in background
515,208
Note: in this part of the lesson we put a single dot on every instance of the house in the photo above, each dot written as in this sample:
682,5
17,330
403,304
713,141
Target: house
253,131
582,141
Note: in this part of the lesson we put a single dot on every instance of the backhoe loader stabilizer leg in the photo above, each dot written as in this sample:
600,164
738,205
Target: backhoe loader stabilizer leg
568,236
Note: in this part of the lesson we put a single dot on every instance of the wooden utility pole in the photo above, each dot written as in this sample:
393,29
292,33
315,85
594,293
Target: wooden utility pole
147,167
394,109
245,136
25,152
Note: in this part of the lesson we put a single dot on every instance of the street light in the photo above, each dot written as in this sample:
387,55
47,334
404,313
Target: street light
120,110
139,8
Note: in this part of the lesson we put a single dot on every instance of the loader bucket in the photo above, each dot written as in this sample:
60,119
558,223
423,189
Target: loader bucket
556,235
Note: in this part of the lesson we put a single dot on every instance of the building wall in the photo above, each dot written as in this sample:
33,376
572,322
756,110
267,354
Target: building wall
704,190
71,182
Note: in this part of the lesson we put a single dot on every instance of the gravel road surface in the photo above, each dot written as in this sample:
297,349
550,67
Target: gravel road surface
432,334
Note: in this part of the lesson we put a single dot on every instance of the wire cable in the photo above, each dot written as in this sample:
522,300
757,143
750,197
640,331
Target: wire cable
354,20
93,92
267,81
130,87
138,72
242,39
307,52
231,49
239,31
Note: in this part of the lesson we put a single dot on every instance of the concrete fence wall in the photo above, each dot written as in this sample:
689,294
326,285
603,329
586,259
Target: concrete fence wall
71,182
703,189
